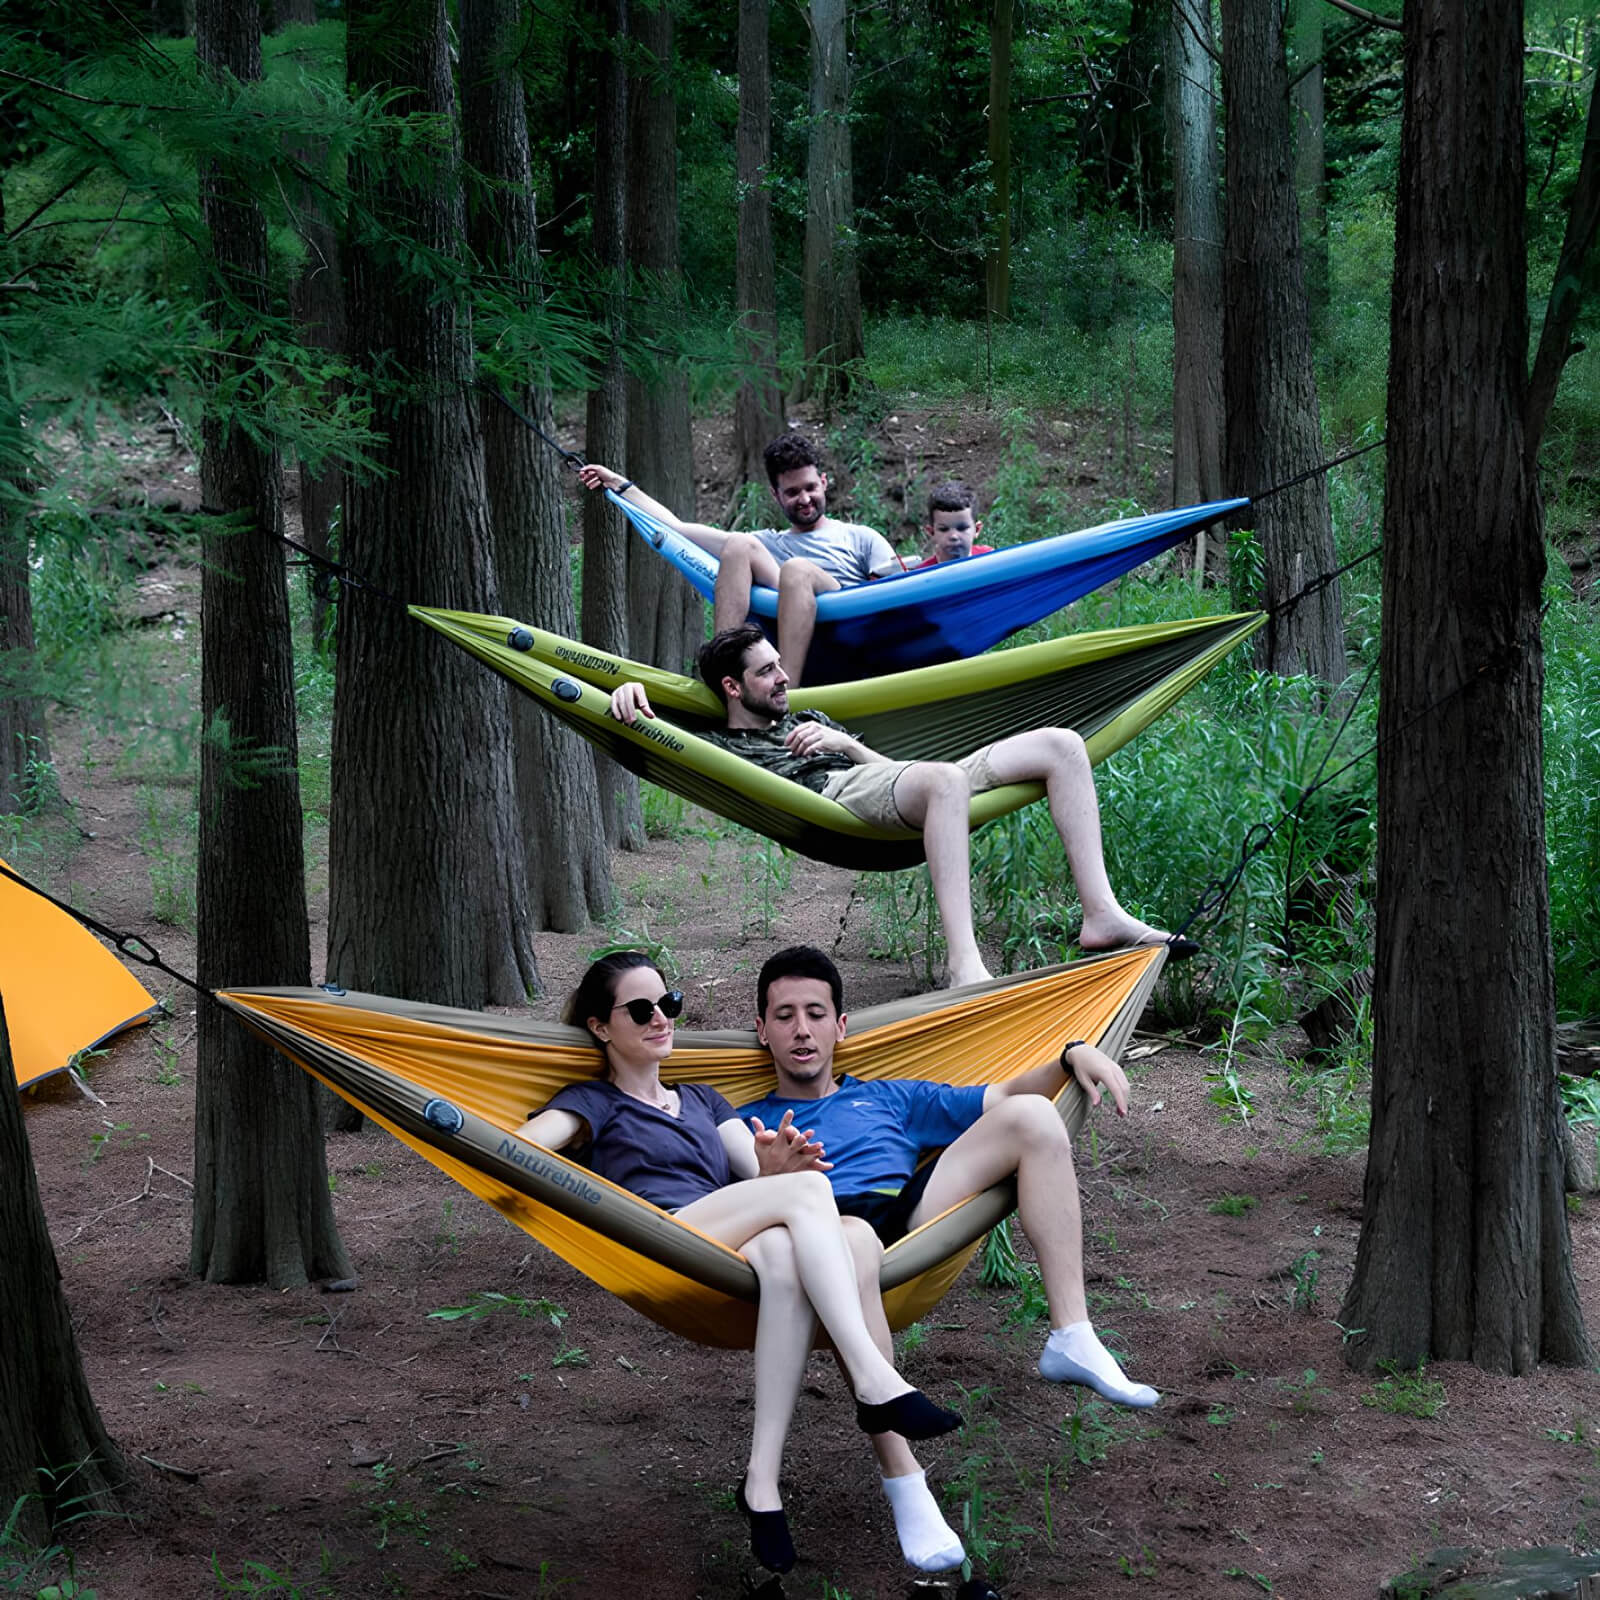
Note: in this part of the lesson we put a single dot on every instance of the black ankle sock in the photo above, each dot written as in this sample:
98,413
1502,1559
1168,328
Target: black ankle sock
770,1543
912,1415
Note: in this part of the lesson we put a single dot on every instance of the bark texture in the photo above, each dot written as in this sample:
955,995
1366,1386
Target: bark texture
1464,1252
998,274
834,343
1274,421
605,530
1197,404
569,869
665,617
262,1211
758,406
54,1449
428,884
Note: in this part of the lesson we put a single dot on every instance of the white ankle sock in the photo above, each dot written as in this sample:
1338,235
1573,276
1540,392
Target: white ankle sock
927,1541
1074,1354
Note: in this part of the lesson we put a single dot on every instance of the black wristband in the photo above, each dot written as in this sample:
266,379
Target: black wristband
623,487
1067,1049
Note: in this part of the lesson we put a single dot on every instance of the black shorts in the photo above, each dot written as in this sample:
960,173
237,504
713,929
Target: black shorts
889,1215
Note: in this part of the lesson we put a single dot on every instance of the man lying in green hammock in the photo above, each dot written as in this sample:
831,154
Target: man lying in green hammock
744,670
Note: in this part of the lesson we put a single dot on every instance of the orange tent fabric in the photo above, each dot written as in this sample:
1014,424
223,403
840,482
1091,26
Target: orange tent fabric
64,991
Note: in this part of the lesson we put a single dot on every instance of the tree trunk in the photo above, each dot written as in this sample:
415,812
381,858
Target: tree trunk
1310,159
1274,423
834,343
998,275
427,878
24,739
1464,1252
758,406
569,869
1197,407
262,1211
665,618
55,1456
316,302
606,532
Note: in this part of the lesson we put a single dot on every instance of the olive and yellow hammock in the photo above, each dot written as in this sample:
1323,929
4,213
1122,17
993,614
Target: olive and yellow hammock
455,1084
1109,686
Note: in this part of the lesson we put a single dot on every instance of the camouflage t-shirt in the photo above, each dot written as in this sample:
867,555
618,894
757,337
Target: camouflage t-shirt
767,749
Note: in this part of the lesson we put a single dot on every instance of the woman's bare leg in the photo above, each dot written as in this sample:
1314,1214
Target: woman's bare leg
784,1330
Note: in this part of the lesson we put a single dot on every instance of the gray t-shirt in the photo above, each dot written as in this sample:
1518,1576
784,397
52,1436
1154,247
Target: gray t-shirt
846,551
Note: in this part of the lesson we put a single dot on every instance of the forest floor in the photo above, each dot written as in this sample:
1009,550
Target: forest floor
352,1444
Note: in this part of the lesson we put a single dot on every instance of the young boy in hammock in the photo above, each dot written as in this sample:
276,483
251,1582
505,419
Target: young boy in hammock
933,797
817,554
952,525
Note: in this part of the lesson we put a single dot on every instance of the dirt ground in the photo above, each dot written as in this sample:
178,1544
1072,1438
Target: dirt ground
352,1444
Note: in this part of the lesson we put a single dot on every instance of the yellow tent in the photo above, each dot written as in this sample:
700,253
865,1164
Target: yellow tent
64,991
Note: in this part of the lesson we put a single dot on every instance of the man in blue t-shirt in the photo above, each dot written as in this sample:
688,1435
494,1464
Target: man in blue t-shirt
873,1134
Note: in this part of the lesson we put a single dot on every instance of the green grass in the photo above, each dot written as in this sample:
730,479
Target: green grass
1232,1205
1405,1394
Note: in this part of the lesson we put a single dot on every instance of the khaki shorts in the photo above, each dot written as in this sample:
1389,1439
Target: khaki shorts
867,790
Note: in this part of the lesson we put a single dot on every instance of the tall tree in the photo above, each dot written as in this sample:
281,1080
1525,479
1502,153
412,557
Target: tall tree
569,869
1464,1251
1310,150
24,738
758,406
56,1459
1274,421
834,343
262,1210
665,616
998,276
316,301
428,886
604,610
1197,404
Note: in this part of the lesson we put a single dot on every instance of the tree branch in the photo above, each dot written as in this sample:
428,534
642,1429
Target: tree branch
1571,282
1372,18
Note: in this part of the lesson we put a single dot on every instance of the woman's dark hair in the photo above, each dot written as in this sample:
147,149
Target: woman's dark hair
596,993
788,451
722,656
800,961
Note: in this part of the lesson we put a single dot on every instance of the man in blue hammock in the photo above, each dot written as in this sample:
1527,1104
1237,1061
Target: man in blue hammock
868,1138
934,798
817,554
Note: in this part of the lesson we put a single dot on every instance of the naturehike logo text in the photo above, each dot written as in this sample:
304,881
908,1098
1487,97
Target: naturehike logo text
510,1150
582,658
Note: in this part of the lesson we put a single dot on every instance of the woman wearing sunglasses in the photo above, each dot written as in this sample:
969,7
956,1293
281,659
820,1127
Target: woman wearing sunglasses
685,1149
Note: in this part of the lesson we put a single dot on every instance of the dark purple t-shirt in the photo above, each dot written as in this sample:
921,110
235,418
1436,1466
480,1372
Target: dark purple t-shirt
666,1160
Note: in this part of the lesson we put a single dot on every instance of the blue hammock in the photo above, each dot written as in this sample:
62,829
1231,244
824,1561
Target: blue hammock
958,609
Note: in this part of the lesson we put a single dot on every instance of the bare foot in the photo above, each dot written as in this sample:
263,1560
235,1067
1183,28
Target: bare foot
1118,931
961,976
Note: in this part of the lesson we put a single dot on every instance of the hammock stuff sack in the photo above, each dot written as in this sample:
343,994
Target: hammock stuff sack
1108,685
454,1084
64,991
957,609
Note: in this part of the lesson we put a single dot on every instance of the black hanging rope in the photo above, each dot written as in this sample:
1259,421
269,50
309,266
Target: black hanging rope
571,457
1321,581
326,568
131,945
1311,472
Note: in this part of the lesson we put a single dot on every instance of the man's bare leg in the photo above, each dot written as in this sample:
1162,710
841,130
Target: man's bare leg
1057,758
799,583
1024,1135
743,562
936,797
927,1541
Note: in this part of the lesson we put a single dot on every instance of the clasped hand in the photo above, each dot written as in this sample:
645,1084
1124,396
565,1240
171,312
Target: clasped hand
786,1148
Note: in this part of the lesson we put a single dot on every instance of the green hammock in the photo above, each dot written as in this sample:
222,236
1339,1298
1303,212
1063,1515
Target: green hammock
1109,686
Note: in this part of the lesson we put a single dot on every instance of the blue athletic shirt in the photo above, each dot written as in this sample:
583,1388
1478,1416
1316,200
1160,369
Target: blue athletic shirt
874,1132
666,1160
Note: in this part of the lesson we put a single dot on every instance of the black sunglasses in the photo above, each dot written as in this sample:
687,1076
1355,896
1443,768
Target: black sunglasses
669,1005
